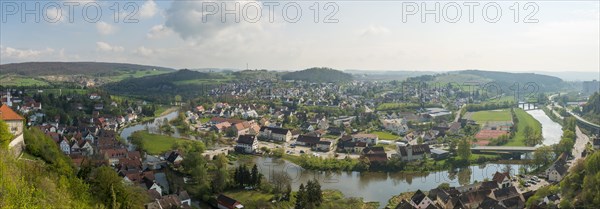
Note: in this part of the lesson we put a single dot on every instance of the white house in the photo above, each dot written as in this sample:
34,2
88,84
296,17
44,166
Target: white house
324,145
370,139
502,179
420,200
276,134
413,152
65,147
247,143
397,126
150,185
556,172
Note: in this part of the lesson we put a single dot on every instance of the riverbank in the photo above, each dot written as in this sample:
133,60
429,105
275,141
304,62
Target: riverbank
392,165
380,186
331,199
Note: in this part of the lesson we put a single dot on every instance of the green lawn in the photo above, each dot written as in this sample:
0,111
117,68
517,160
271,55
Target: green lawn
12,80
204,120
385,135
491,115
331,199
524,120
136,74
157,144
64,91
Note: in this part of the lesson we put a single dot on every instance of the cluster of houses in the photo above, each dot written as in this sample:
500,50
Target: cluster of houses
96,146
498,193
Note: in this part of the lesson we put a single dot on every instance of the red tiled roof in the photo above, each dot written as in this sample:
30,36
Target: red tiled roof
8,114
490,134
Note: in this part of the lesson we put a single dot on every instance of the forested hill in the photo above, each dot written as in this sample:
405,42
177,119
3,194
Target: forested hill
591,110
544,82
318,75
73,68
185,83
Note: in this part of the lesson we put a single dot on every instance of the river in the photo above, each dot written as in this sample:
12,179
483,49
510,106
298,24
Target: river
379,186
152,127
551,131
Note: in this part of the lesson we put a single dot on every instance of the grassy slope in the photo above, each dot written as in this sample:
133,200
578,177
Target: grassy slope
385,135
331,199
524,120
15,80
484,116
157,144
136,74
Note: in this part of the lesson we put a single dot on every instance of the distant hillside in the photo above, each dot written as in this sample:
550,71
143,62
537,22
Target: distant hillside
82,73
186,83
73,68
545,83
506,81
318,75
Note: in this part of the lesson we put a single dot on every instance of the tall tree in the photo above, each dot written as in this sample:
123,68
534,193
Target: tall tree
464,149
301,198
255,175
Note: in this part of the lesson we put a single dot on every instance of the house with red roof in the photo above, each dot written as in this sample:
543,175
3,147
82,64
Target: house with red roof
15,126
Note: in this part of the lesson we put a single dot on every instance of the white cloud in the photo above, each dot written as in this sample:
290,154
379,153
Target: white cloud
158,31
105,47
9,52
191,21
148,9
375,31
144,51
105,28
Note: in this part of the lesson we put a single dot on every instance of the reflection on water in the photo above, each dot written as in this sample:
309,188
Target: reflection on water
380,186
551,131
152,127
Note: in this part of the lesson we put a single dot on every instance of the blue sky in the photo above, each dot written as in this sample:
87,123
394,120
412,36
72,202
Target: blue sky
369,35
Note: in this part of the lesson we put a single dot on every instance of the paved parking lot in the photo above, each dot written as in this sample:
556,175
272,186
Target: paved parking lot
532,186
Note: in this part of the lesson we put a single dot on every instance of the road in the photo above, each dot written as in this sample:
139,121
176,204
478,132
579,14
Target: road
580,141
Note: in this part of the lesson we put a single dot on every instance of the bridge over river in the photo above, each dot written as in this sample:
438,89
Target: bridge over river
502,149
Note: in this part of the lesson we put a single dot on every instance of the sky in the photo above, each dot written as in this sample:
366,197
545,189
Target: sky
553,36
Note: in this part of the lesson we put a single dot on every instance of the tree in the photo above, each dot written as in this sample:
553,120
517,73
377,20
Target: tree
5,135
255,175
221,161
301,197
542,156
527,132
219,182
315,196
106,182
464,149
280,180
288,192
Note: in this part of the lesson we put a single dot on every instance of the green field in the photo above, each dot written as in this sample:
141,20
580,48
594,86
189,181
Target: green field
136,74
482,117
524,120
385,135
202,81
331,199
13,80
462,81
64,91
157,144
